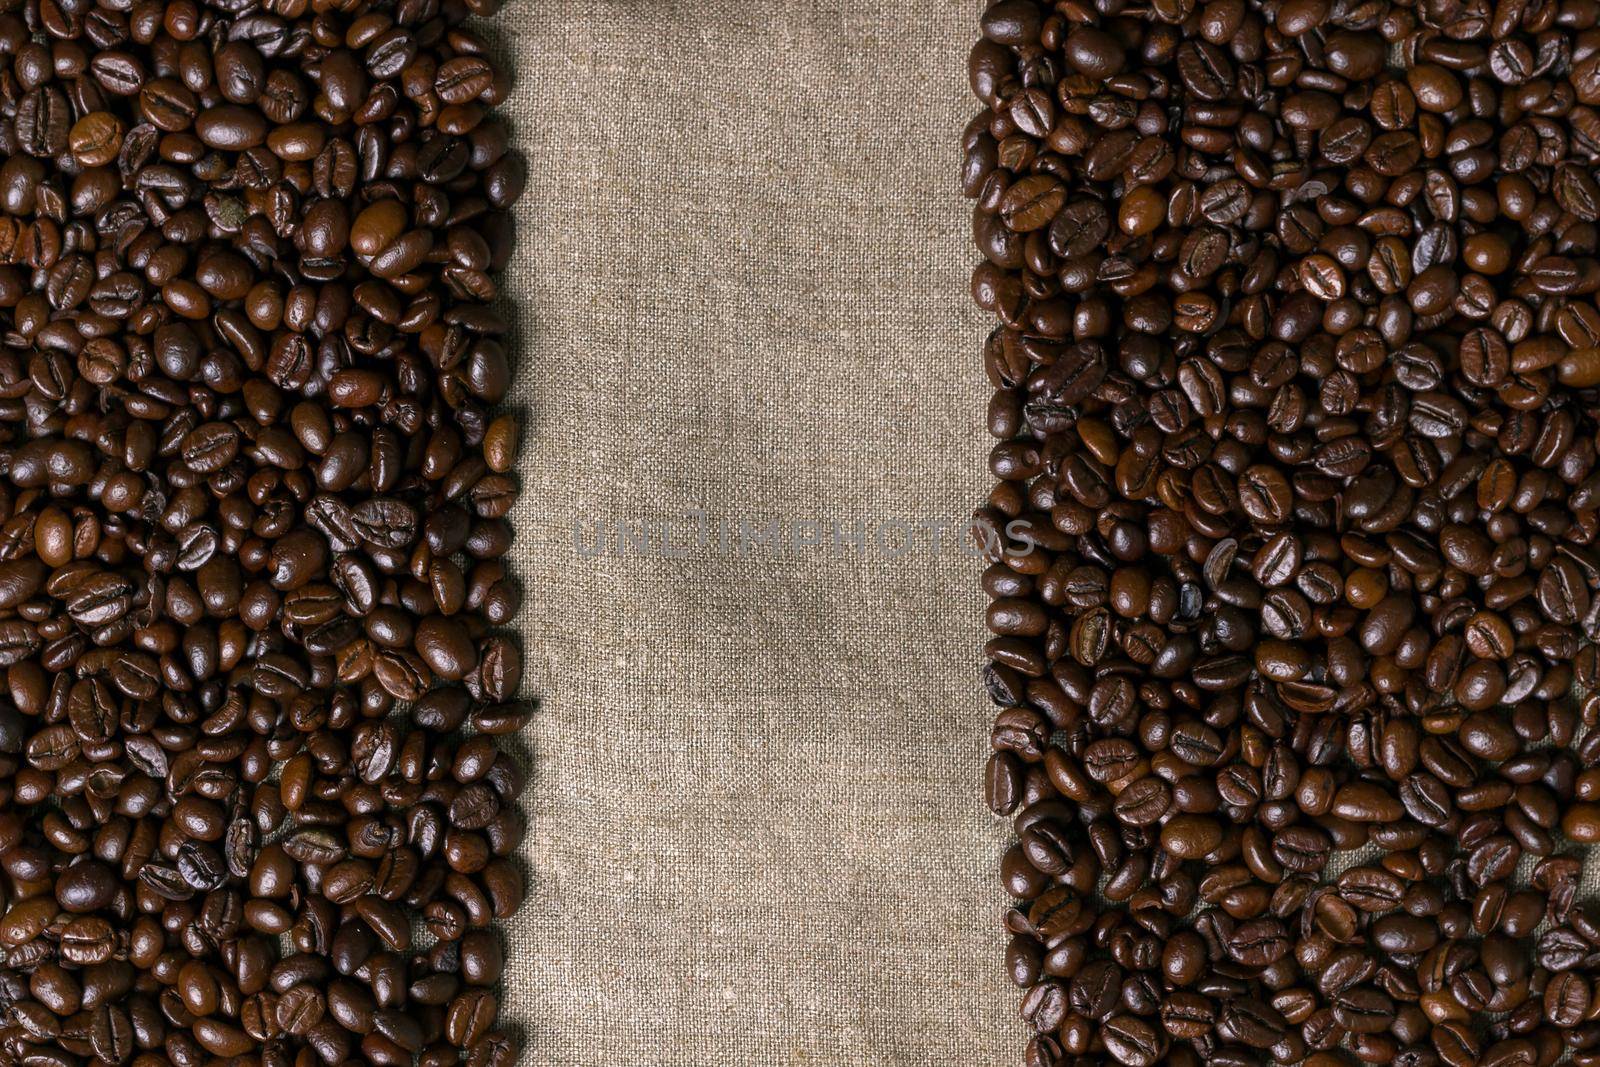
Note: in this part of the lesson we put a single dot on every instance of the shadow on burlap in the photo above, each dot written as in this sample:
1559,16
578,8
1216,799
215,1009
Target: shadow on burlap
757,834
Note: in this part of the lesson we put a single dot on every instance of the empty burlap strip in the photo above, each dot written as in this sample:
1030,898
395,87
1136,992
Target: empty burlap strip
757,834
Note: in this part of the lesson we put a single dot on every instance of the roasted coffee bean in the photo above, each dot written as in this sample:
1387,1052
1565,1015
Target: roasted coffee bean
254,504
1298,347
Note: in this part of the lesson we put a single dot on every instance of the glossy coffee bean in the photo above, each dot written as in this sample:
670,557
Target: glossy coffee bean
1298,360
254,492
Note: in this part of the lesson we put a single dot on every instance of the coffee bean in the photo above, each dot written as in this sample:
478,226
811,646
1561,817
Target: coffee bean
253,499
1131,1040
1314,416
1032,203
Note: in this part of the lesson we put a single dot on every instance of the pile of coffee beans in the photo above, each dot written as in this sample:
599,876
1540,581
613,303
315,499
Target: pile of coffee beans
1294,573
253,499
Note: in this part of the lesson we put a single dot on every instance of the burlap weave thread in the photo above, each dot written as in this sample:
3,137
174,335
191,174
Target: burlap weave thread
756,828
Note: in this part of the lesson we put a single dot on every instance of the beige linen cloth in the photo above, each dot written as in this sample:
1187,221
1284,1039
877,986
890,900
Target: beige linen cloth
756,826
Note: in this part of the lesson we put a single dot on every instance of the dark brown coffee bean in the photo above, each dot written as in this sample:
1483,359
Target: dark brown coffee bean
1320,454
1032,203
1131,1040
210,595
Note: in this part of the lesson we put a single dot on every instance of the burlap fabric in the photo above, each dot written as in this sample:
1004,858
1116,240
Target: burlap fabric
757,834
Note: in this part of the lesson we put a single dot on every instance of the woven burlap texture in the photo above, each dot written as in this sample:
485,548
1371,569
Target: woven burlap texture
756,828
